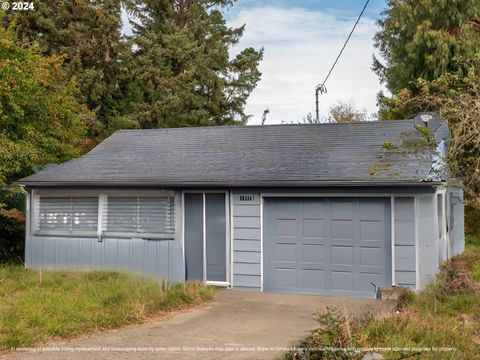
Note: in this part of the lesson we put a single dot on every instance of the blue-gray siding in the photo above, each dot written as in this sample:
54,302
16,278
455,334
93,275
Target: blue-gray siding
247,257
155,258
428,250
246,242
405,263
416,243
160,258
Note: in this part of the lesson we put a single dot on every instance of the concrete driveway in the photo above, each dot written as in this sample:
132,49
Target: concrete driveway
240,325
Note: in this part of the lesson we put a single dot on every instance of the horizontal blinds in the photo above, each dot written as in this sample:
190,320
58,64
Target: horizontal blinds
67,214
139,215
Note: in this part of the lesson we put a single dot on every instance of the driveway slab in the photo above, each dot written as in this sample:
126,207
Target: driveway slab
235,325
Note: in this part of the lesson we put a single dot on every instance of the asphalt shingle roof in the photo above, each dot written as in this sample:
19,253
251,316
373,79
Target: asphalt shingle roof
248,156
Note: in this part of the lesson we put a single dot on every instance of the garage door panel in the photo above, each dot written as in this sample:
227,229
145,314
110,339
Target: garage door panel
342,280
342,255
341,229
313,279
372,230
341,208
315,207
314,253
286,252
313,228
286,206
327,245
286,278
286,227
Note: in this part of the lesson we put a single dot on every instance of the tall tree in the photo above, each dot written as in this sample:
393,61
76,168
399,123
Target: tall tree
422,39
457,98
181,62
431,51
87,34
41,122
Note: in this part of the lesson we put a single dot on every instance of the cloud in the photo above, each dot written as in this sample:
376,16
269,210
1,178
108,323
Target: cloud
300,46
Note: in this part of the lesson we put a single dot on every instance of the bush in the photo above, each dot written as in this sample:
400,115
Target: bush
472,221
12,225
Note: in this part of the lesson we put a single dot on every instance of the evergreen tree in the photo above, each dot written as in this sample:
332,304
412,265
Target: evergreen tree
432,54
181,63
41,120
421,39
87,34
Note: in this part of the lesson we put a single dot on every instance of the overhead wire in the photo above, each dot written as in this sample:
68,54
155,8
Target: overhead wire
321,87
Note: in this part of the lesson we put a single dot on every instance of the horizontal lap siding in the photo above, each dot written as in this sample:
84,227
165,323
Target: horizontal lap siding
147,257
405,262
247,244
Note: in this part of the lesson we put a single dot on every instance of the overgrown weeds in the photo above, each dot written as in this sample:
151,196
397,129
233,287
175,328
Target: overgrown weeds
38,306
440,322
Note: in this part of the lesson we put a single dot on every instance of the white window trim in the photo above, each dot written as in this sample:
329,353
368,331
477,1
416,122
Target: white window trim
102,196
139,234
36,231
229,235
443,238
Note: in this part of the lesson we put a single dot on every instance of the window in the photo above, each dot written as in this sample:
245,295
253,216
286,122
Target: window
440,215
145,215
67,215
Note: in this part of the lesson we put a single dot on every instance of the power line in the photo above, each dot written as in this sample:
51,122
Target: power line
321,87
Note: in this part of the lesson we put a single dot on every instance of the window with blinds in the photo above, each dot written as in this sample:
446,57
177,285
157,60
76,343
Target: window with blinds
144,215
67,215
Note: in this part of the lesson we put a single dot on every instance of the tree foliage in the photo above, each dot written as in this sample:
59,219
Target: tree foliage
41,122
340,112
87,34
457,98
40,119
181,62
346,111
431,51
420,39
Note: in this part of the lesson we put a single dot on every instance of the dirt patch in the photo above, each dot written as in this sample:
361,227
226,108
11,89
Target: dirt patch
458,274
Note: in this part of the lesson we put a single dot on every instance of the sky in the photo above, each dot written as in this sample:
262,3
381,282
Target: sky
301,39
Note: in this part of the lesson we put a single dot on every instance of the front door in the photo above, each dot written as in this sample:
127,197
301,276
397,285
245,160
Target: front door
206,236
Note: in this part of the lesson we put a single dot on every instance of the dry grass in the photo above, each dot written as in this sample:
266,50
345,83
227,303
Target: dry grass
36,307
446,314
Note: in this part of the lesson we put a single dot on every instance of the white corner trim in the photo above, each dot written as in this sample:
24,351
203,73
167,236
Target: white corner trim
392,236
204,240
261,242
232,253
182,211
28,213
417,242
101,206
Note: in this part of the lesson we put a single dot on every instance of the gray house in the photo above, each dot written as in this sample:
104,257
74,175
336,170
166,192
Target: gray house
340,209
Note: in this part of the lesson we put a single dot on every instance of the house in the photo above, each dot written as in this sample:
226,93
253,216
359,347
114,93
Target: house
341,209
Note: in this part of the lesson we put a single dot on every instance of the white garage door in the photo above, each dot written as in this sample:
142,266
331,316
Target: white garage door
338,246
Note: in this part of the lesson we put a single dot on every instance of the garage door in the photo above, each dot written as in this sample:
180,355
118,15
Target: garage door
338,246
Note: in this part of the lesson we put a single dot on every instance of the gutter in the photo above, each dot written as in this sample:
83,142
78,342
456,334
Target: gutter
190,184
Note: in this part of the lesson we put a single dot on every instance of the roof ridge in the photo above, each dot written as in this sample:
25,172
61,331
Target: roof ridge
355,123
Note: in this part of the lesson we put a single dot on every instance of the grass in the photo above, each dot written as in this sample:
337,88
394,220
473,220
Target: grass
472,243
445,314
36,307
